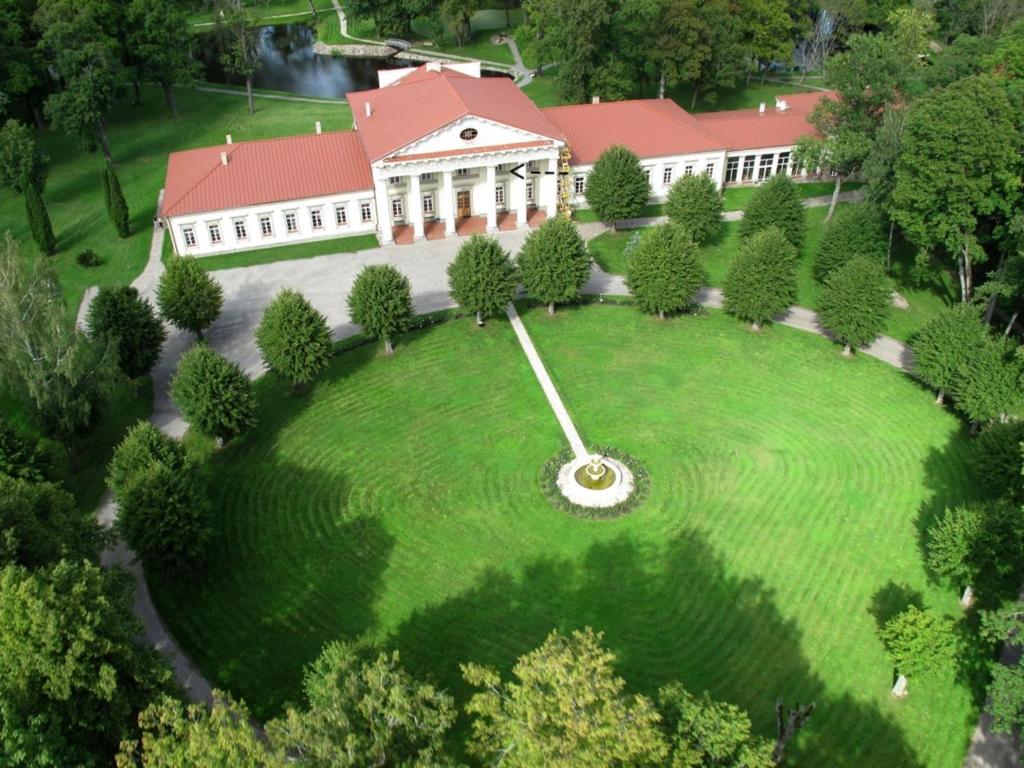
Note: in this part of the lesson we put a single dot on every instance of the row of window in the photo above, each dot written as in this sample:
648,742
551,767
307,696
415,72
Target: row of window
579,183
734,172
398,203
266,223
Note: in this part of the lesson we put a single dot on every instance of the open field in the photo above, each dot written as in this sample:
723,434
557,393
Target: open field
399,501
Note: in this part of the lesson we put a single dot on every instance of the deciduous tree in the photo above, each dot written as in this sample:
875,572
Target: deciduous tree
918,642
188,298
617,188
21,456
240,40
20,159
143,446
482,278
41,524
944,345
664,271
855,302
988,385
294,339
164,45
855,231
213,394
695,205
777,202
997,458
119,315
554,263
381,303
761,281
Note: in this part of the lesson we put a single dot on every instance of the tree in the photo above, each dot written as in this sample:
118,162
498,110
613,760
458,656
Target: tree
681,42
761,281
695,205
998,458
174,735
240,35
213,394
118,209
163,514
22,70
72,675
944,345
482,278
704,732
917,642
21,456
64,377
381,303
164,45
664,270
776,202
1005,702
294,338
365,710
119,315
855,302
458,13
41,524
987,386
855,231
554,264
768,32
722,69
20,159
952,543
879,168
948,190
565,707
187,296
617,188
143,446
38,219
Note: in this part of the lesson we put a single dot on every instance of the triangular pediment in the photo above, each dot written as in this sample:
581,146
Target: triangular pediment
471,134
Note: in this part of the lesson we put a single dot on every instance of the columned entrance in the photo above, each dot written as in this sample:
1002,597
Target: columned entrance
463,209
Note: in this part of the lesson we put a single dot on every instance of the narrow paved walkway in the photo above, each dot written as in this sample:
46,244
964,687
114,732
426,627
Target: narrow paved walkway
554,400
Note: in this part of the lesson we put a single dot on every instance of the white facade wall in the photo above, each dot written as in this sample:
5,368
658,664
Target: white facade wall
760,154
251,215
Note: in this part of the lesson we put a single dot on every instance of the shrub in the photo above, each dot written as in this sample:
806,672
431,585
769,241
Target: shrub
855,302
617,188
944,345
855,230
482,279
554,263
761,281
213,394
88,258
696,206
664,271
294,338
120,315
777,202
188,298
381,303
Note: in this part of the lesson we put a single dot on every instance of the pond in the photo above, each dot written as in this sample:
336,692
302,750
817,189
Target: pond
289,64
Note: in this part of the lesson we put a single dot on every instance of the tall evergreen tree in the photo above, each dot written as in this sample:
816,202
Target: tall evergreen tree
20,158
118,207
120,315
38,219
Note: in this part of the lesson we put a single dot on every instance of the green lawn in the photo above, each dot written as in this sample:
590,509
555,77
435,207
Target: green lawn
736,198
925,299
284,252
141,138
399,501
265,10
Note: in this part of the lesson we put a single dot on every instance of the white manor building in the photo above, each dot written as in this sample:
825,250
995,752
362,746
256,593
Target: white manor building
438,150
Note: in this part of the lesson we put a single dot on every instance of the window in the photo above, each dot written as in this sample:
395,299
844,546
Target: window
397,209
732,167
341,215
462,172
468,134
666,176
499,195
366,211
499,168
688,170
783,167
647,174
710,170
531,165
529,190
428,205
214,229
764,168
748,168
240,233
426,177
266,228
190,236
316,218
394,181
291,223
579,184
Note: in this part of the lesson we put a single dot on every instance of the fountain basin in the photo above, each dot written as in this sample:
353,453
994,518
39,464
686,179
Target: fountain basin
595,481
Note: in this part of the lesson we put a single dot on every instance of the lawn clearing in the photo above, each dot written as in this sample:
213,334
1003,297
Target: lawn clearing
399,500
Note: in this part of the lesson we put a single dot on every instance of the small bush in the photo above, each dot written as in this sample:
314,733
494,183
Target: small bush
88,258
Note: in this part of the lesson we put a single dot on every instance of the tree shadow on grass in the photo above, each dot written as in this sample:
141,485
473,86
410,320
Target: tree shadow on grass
672,612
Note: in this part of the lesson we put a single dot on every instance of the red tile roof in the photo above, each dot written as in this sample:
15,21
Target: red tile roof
649,127
751,129
266,171
425,101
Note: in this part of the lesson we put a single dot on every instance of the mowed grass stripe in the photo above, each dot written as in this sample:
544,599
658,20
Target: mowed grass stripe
399,501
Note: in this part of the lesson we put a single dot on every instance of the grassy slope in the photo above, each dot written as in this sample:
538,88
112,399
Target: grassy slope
925,300
141,138
399,500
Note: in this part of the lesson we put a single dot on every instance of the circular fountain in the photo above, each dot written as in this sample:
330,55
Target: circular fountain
595,481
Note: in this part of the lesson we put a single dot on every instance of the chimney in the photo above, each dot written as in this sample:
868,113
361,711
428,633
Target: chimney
760,109
595,99
369,109
223,158
318,128
227,139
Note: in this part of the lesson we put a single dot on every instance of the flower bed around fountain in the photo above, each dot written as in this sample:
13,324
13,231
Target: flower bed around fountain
600,495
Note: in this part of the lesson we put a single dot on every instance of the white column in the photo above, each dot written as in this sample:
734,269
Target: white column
415,204
380,194
447,203
518,193
492,199
549,187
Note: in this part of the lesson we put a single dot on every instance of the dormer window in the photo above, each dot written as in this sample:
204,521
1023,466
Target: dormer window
468,134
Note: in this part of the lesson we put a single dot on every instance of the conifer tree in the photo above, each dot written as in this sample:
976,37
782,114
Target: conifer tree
855,302
761,281
554,263
105,183
38,219
664,270
482,279
118,207
776,202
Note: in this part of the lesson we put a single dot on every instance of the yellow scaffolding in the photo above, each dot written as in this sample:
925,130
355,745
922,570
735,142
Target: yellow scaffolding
564,183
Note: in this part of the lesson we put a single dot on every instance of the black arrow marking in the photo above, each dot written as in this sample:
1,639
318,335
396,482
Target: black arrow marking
515,171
